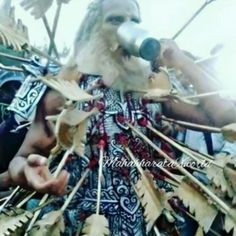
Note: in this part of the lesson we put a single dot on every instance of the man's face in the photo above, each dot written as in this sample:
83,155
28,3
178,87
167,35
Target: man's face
102,54
116,12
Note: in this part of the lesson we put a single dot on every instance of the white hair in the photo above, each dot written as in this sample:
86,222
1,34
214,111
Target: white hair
93,56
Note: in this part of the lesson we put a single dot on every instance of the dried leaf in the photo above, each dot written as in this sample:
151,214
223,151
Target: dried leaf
160,80
151,199
70,72
96,225
72,127
75,116
68,89
230,175
14,220
216,174
79,138
12,34
37,7
164,95
52,224
229,132
205,213
230,222
65,135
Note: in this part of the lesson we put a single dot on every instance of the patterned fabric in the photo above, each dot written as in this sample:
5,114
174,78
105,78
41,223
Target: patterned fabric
27,97
9,83
119,202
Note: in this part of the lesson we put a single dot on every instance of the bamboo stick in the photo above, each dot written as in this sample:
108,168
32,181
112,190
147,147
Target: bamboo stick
179,147
205,94
45,55
207,2
154,227
21,59
50,35
45,197
156,231
70,197
9,198
192,125
101,156
54,28
195,152
198,170
11,68
141,170
20,204
74,191
216,199
200,156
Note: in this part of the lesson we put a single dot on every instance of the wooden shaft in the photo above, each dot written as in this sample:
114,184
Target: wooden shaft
75,189
215,198
101,156
179,147
192,125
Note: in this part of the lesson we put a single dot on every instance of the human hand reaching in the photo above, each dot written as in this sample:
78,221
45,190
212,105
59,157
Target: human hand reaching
34,173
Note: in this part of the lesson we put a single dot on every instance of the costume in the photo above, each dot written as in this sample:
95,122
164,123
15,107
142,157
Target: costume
119,202
22,108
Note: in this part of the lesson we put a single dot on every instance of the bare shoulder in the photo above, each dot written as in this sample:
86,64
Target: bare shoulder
53,101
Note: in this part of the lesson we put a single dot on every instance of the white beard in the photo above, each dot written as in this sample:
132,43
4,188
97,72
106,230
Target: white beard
123,73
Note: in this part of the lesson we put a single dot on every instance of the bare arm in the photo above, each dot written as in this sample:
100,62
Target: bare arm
29,166
213,110
5,180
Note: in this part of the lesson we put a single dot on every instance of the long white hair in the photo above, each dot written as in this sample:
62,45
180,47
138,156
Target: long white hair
93,55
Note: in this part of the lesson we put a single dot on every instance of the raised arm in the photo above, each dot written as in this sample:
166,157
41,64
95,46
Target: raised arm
212,110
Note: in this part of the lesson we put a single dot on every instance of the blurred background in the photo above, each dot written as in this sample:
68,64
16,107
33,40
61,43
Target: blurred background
214,25
212,30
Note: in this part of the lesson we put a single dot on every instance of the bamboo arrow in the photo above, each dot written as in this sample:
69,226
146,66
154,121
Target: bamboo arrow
192,18
192,125
179,147
216,199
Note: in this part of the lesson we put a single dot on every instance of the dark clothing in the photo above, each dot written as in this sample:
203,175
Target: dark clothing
10,141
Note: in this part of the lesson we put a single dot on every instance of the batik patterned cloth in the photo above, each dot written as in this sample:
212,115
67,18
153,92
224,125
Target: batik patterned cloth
31,91
119,202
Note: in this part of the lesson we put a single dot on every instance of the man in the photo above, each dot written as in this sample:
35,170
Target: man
98,52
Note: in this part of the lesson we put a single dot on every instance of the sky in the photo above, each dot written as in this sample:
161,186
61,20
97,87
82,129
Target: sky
163,18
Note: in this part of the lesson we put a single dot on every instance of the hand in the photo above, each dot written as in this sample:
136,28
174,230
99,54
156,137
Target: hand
171,55
36,175
229,132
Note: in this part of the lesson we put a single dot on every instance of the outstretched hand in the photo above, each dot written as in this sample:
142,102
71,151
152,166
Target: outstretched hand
36,175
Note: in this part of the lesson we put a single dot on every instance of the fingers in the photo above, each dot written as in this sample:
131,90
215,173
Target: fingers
53,186
44,183
62,182
36,160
